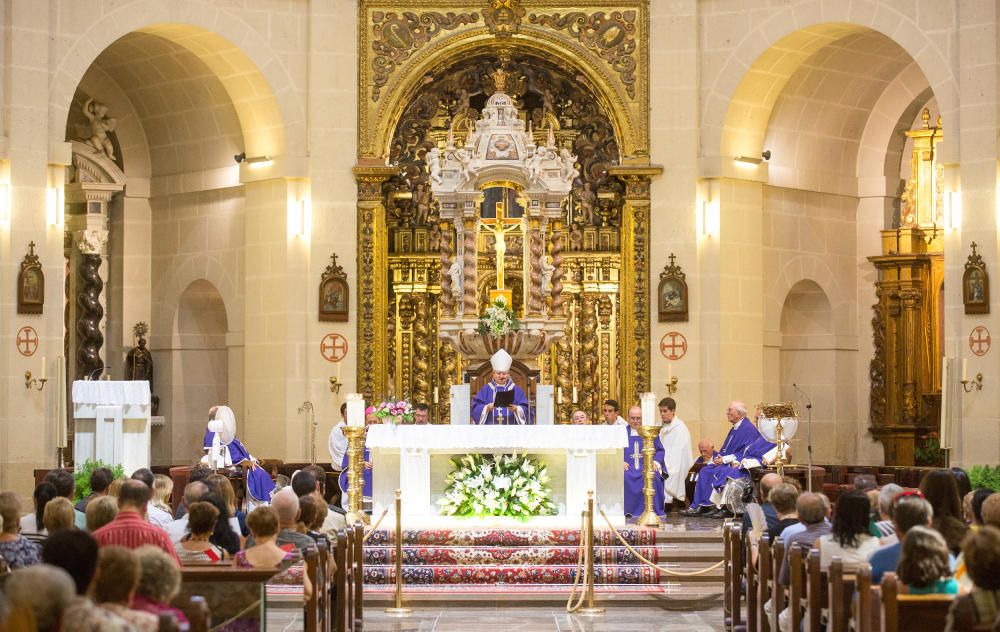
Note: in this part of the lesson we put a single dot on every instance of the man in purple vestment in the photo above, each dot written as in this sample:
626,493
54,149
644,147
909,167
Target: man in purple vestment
635,500
483,411
744,441
223,449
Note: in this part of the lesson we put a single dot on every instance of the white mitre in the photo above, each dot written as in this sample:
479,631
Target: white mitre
501,361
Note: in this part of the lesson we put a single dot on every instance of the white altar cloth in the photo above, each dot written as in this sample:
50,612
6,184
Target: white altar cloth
112,423
417,459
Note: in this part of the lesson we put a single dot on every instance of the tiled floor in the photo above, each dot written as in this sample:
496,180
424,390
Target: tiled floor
705,616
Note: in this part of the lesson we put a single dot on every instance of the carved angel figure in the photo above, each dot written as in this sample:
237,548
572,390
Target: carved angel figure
586,200
534,163
568,169
455,272
464,160
100,124
547,270
433,158
421,203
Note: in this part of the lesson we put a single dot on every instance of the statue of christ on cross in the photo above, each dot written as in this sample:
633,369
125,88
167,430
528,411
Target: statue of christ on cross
499,227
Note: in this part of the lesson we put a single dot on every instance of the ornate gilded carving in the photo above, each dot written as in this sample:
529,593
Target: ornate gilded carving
558,299
422,341
448,285
503,17
876,368
395,36
564,373
537,250
611,35
589,359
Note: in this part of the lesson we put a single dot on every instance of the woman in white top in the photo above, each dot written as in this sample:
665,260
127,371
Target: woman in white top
850,539
32,525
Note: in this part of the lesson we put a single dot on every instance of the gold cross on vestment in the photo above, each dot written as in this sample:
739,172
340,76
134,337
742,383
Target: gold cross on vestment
635,455
500,227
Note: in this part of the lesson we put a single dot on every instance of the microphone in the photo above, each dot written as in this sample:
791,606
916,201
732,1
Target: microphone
809,403
809,434
90,376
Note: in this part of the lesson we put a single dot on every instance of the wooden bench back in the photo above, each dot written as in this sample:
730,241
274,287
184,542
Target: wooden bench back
816,592
359,574
226,589
765,579
752,579
777,594
841,590
911,613
797,585
315,576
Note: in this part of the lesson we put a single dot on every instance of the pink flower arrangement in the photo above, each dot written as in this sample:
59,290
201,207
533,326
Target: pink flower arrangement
397,411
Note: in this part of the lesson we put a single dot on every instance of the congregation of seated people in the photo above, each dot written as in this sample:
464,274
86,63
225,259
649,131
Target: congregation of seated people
112,561
939,542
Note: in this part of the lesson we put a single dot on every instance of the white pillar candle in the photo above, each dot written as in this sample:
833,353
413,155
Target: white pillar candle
435,394
42,376
559,395
355,410
574,395
965,369
648,405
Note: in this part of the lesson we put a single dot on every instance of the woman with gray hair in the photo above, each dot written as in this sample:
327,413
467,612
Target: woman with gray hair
886,496
159,583
43,592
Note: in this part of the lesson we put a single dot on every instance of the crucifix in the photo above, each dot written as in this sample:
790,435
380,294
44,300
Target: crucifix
500,227
636,455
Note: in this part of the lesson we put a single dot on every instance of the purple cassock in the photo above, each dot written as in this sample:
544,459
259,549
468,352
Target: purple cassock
635,501
504,416
743,441
366,476
259,482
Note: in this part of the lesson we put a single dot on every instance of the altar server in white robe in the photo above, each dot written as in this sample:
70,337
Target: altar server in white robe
611,413
337,443
677,458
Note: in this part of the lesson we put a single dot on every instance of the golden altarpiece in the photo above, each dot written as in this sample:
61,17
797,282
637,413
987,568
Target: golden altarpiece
576,76
905,373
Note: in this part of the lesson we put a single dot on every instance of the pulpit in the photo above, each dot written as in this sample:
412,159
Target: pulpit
112,423
417,460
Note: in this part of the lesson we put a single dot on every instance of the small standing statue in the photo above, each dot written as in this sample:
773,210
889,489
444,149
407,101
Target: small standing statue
100,124
139,363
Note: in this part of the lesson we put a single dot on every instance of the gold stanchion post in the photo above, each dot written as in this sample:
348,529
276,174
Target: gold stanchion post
398,610
590,609
355,473
649,518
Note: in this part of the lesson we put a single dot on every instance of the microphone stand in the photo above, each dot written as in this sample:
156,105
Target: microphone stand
809,435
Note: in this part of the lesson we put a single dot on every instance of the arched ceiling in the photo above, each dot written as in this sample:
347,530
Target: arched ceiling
188,116
818,118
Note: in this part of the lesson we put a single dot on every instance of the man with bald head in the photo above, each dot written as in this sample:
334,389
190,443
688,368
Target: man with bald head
579,418
635,500
743,441
706,452
286,504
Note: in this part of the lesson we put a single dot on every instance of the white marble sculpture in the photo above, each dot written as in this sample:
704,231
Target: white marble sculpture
100,124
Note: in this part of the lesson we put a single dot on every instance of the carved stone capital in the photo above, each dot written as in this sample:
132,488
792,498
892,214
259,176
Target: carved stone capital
369,179
636,179
92,241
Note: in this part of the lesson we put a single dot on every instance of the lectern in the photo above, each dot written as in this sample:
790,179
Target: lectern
112,423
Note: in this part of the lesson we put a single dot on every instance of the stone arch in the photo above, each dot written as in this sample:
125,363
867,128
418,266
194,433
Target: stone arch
195,268
802,269
255,77
739,103
806,310
401,90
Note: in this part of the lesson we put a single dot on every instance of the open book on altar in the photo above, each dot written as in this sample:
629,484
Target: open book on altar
503,399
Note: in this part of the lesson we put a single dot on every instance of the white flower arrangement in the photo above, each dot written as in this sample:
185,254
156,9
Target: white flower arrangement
498,319
497,485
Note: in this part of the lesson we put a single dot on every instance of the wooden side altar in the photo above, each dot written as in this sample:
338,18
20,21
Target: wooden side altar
417,460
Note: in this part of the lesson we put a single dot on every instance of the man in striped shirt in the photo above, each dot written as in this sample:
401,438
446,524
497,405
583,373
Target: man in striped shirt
129,528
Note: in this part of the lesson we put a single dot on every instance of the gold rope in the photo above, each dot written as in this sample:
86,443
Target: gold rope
246,610
580,567
649,563
375,526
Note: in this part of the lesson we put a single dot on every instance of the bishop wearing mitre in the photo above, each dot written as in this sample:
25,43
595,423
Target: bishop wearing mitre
484,410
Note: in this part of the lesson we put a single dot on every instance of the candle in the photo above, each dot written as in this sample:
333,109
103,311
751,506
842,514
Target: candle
355,410
43,368
574,395
648,405
435,394
559,395
965,369
670,372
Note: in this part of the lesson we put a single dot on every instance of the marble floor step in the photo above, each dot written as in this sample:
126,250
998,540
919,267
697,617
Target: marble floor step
519,574
488,555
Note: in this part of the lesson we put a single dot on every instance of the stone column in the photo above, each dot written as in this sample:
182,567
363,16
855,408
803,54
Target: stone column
470,304
533,270
910,341
87,302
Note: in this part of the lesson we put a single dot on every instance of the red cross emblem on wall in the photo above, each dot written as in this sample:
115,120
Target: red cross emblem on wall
26,341
333,347
979,340
673,345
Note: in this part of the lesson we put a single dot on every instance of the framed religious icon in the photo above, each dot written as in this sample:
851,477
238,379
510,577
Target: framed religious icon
672,293
334,294
30,284
976,285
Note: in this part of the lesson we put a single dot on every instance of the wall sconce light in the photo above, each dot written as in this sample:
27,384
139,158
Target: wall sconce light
708,218
4,204
56,207
335,385
37,382
953,210
970,385
299,218
752,161
254,162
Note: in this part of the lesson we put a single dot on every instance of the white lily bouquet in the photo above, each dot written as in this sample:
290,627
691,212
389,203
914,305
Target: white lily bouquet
497,485
498,319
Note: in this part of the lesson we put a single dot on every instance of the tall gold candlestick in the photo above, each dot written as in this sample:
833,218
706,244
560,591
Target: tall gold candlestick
355,473
649,518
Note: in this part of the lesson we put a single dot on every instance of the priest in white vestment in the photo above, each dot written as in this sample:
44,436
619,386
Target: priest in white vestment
677,458
337,442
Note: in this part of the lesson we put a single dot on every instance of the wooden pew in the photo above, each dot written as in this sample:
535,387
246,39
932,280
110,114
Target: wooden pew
816,593
911,613
341,575
841,590
226,589
796,587
196,610
765,581
752,588
311,606
733,575
727,571
866,615
778,592
359,575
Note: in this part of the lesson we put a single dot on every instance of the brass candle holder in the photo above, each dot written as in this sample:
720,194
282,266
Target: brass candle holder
649,518
355,473
37,382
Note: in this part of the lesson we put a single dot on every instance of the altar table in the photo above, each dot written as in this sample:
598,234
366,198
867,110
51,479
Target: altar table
417,460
